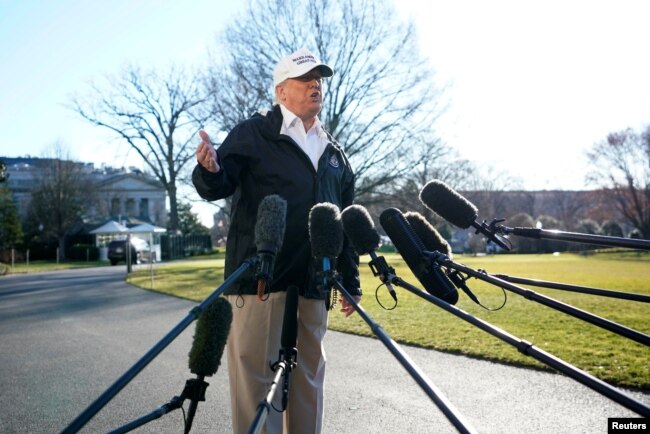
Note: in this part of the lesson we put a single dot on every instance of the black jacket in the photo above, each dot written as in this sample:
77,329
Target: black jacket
257,161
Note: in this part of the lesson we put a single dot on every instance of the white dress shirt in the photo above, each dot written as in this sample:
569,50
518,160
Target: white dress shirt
312,142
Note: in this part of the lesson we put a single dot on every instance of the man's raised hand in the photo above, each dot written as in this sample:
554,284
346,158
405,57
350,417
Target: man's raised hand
206,154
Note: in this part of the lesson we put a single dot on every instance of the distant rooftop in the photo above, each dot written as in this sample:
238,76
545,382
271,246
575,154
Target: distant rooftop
28,163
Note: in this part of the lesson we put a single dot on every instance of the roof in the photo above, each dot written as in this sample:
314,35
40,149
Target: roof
147,227
110,227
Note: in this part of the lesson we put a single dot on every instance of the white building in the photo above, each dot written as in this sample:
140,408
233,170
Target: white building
120,194
132,195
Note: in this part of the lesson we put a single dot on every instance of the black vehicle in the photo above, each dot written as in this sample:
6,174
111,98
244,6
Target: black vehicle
139,251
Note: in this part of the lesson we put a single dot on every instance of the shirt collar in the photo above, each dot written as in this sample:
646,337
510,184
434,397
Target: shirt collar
290,120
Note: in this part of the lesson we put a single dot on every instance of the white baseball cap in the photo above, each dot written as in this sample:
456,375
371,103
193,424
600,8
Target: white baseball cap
299,63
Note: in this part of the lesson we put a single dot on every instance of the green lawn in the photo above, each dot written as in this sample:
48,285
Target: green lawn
415,321
42,266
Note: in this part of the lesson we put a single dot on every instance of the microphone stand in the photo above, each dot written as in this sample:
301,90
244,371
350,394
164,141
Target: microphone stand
574,288
596,320
575,237
283,367
121,382
194,389
175,403
529,349
448,409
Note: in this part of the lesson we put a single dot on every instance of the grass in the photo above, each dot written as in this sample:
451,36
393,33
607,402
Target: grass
609,356
42,266
415,321
49,265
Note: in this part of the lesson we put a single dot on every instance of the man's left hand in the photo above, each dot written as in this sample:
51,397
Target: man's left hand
346,307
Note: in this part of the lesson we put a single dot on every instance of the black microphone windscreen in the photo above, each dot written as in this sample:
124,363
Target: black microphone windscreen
360,229
210,337
269,228
429,236
448,204
411,249
325,230
290,322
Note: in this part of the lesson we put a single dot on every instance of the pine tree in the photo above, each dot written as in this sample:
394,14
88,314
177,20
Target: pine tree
188,222
11,232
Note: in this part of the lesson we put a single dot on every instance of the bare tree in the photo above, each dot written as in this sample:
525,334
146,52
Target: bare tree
436,161
61,198
567,206
381,99
158,116
621,166
488,191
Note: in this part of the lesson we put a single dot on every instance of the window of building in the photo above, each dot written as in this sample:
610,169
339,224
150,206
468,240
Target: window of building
115,206
130,207
144,208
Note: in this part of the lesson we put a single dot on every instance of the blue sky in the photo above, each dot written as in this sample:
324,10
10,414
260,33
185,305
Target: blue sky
531,84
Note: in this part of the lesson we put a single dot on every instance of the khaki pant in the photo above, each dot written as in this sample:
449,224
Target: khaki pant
254,344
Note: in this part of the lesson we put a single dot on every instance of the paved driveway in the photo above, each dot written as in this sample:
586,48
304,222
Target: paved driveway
66,336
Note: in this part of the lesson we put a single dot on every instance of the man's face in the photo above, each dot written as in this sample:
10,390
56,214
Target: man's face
302,95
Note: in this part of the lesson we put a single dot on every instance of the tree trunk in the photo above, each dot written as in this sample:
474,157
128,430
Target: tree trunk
62,247
173,207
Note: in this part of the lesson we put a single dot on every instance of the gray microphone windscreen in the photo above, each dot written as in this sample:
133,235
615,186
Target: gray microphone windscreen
360,229
325,230
430,237
411,248
210,337
271,221
448,204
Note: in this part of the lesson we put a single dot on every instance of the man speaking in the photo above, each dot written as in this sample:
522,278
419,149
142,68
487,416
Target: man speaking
284,152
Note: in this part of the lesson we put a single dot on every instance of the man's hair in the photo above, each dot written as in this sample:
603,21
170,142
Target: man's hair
276,101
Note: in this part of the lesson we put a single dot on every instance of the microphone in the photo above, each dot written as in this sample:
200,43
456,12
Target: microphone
457,210
326,237
269,232
358,226
434,242
429,236
210,337
412,250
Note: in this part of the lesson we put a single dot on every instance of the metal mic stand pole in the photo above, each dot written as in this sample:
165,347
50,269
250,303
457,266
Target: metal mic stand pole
529,349
282,367
119,384
596,320
194,389
175,403
575,237
425,383
574,288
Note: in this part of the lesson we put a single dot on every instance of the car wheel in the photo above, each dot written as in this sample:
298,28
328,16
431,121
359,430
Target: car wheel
113,262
